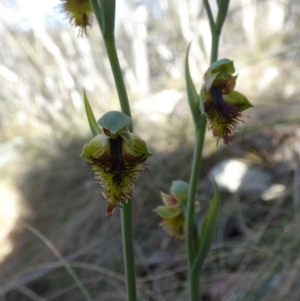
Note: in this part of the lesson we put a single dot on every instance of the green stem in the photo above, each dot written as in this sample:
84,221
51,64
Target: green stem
209,15
126,213
190,244
117,73
214,46
194,274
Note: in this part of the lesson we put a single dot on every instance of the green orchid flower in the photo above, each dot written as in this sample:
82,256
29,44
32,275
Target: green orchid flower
222,105
172,213
117,157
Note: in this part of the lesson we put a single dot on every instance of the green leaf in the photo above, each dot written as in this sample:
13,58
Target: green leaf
180,190
238,99
114,121
108,9
168,212
208,230
191,91
90,116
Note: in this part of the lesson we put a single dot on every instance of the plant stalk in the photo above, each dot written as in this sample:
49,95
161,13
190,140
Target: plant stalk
194,274
190,242
126,212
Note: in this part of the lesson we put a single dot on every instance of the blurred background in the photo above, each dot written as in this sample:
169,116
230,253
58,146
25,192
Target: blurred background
46,187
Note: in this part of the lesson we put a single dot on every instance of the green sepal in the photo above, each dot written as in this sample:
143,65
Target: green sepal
209,80
168,212
108,11
90,116
95,148
136,146
180,190
207,231
114,121
238,99
223,66
168,199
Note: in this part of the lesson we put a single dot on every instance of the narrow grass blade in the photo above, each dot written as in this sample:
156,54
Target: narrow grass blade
208,231
55,251
90,116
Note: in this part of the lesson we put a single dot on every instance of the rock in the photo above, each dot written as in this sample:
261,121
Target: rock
233,175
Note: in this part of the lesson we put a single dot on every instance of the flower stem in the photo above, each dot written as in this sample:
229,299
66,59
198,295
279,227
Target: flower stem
126,213
190,242
118,77
194,274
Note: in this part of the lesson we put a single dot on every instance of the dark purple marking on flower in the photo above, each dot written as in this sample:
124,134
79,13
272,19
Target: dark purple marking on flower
119,164
217,96
223,117
116,155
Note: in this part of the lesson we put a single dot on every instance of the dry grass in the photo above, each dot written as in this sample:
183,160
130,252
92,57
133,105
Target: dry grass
43,128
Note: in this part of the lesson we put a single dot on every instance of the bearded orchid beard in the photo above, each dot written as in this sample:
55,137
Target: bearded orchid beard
116,172
223,117
82,22
174,226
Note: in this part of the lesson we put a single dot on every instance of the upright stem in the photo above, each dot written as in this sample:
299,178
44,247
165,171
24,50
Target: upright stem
194,274
118,77
126,213
191,248
214,46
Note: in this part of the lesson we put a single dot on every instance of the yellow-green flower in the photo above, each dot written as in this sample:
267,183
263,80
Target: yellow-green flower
79,12
173,220
117,157
172,213
222,105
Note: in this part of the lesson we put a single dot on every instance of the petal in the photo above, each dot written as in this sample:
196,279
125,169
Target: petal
96,148
136,147
209,80
222,119
174,226
79,11
168,212
168,199
180,190
239,100
222,65
114,121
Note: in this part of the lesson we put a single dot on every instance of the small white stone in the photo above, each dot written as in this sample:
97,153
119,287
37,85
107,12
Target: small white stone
233,175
